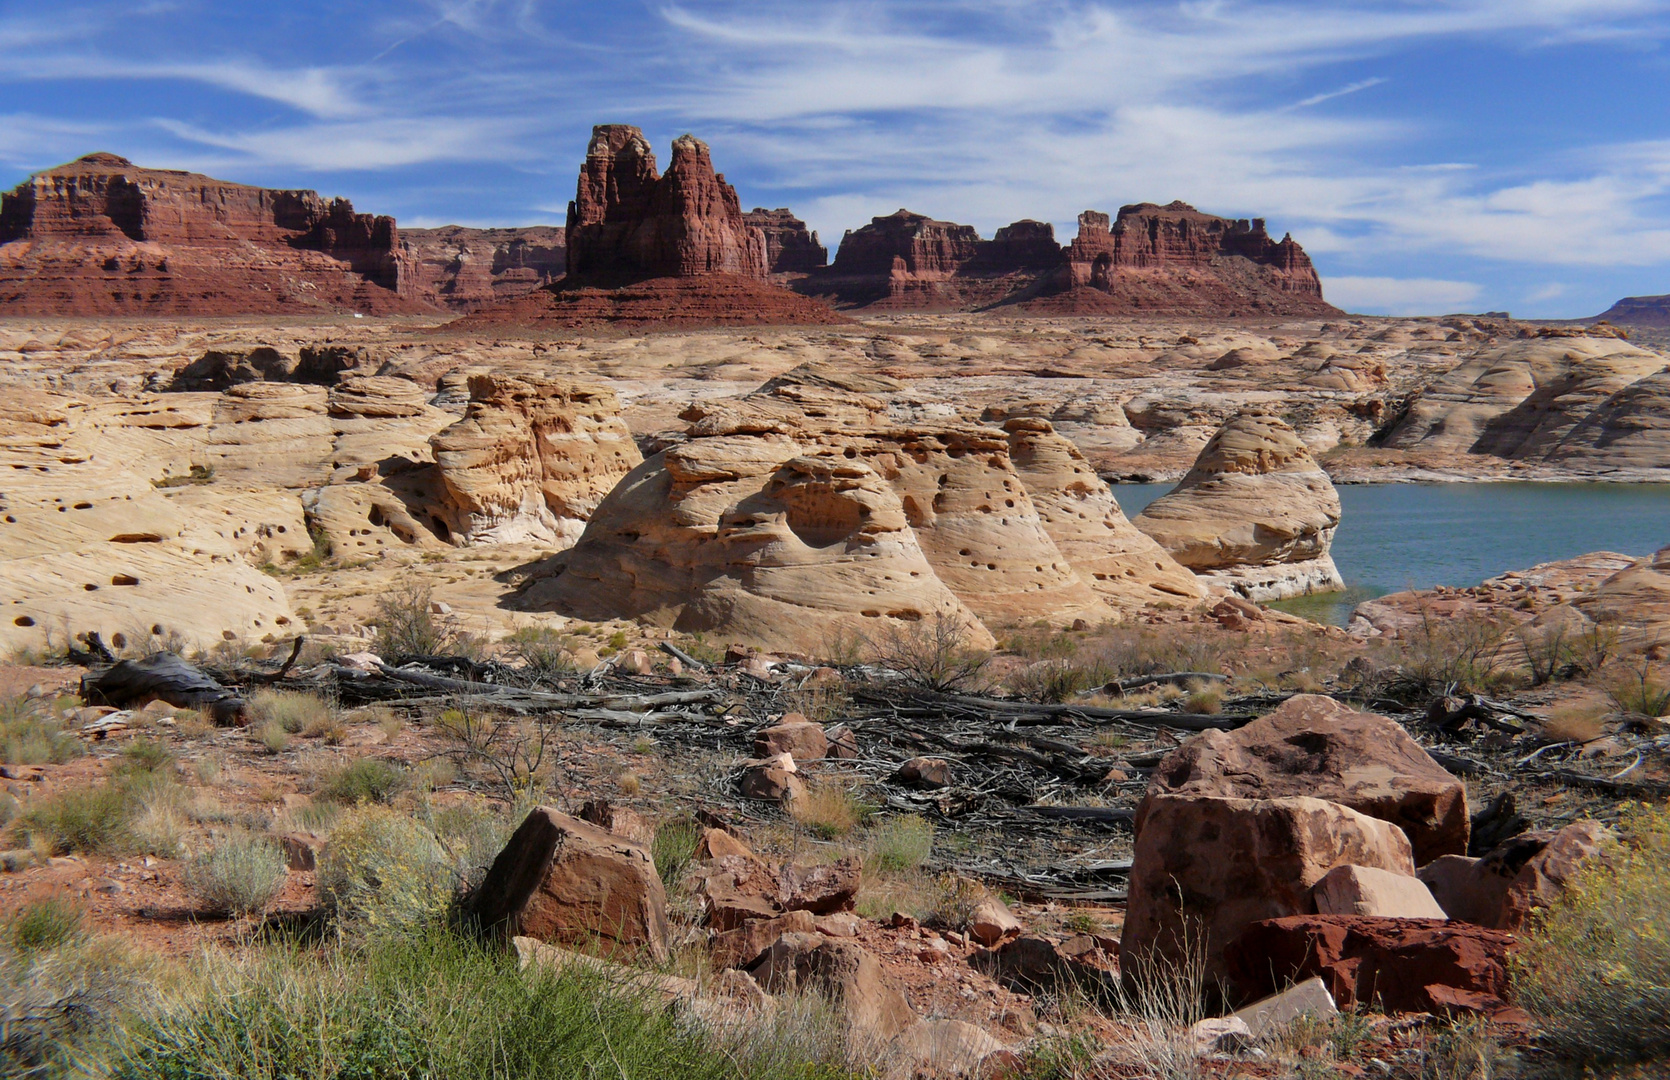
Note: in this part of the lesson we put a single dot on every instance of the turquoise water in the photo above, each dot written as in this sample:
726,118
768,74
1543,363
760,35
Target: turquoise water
1415,536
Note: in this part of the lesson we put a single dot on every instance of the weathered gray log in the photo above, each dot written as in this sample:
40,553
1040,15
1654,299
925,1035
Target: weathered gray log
681,656
162,676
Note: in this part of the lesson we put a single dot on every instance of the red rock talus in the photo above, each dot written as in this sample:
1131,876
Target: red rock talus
464,269
100,236
789,248
1400,965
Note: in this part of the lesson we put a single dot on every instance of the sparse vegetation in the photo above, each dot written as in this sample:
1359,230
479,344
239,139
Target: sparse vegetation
829,810
518,754
674,848
238,876
31,735
383,872
899,843
295,713
1594,968
88,819
43,924
364,780
543,652
932,653
197,474
1454,656
1640,691
407,625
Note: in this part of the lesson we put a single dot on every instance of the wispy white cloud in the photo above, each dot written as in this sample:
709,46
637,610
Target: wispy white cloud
1400,296
379,144
1317,99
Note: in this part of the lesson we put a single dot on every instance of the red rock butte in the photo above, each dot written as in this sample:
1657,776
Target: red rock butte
1152,259
100,236
647,249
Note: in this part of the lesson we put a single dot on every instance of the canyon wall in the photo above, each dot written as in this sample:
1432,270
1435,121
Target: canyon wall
463,269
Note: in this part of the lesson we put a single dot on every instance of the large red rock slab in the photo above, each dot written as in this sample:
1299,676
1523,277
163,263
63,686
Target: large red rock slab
1399,965
1315,746
1205,868
666,303
562,880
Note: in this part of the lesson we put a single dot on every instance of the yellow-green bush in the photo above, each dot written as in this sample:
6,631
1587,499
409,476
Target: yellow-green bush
382,872
1594,968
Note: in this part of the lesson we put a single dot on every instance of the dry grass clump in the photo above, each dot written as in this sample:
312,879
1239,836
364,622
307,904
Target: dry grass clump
1594,968
829,809
31,734
364,780
239,876
295,713
1573,724
45,923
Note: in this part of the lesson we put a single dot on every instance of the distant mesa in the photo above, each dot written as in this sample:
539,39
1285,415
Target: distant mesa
1638,311
1152,259
640,248
101,236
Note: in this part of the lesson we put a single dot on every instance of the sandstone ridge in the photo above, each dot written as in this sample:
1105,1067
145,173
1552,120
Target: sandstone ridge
797,513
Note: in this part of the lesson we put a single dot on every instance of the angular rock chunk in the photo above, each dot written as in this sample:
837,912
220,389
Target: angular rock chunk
1314,746
925,772
1270,1015
821,890
992,921
741,947
1205,868
793,735
1362,890
1402,965
1529,871
946,1048
565,881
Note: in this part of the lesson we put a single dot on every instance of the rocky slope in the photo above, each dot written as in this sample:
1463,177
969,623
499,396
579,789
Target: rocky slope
463,269
100,236
1638,311
1256,513
1598,404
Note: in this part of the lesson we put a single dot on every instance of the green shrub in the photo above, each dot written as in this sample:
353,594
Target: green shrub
544,652
1641,691
674,848
430,1006
900,843
271,735
31,735
146,755
364,780
45,924
89,819
239,876
1594,968
384,872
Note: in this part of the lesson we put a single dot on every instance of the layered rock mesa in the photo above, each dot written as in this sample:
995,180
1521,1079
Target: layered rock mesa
1256,513
801,513
647,249
464,269
1588,404
100,236
1152,259
1638,311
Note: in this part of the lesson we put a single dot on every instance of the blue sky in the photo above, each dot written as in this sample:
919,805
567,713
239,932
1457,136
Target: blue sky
1432,155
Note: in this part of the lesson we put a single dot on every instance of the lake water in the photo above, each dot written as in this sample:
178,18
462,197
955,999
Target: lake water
1415,536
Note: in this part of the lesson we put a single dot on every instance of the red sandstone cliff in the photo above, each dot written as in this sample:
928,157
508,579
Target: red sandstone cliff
1166,260
464,269
789,248
100,236
647,250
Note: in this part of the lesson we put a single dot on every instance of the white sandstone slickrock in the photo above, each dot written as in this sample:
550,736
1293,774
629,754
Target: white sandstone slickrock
1255,514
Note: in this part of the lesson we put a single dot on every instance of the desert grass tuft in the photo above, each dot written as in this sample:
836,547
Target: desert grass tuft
238,876
897,844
